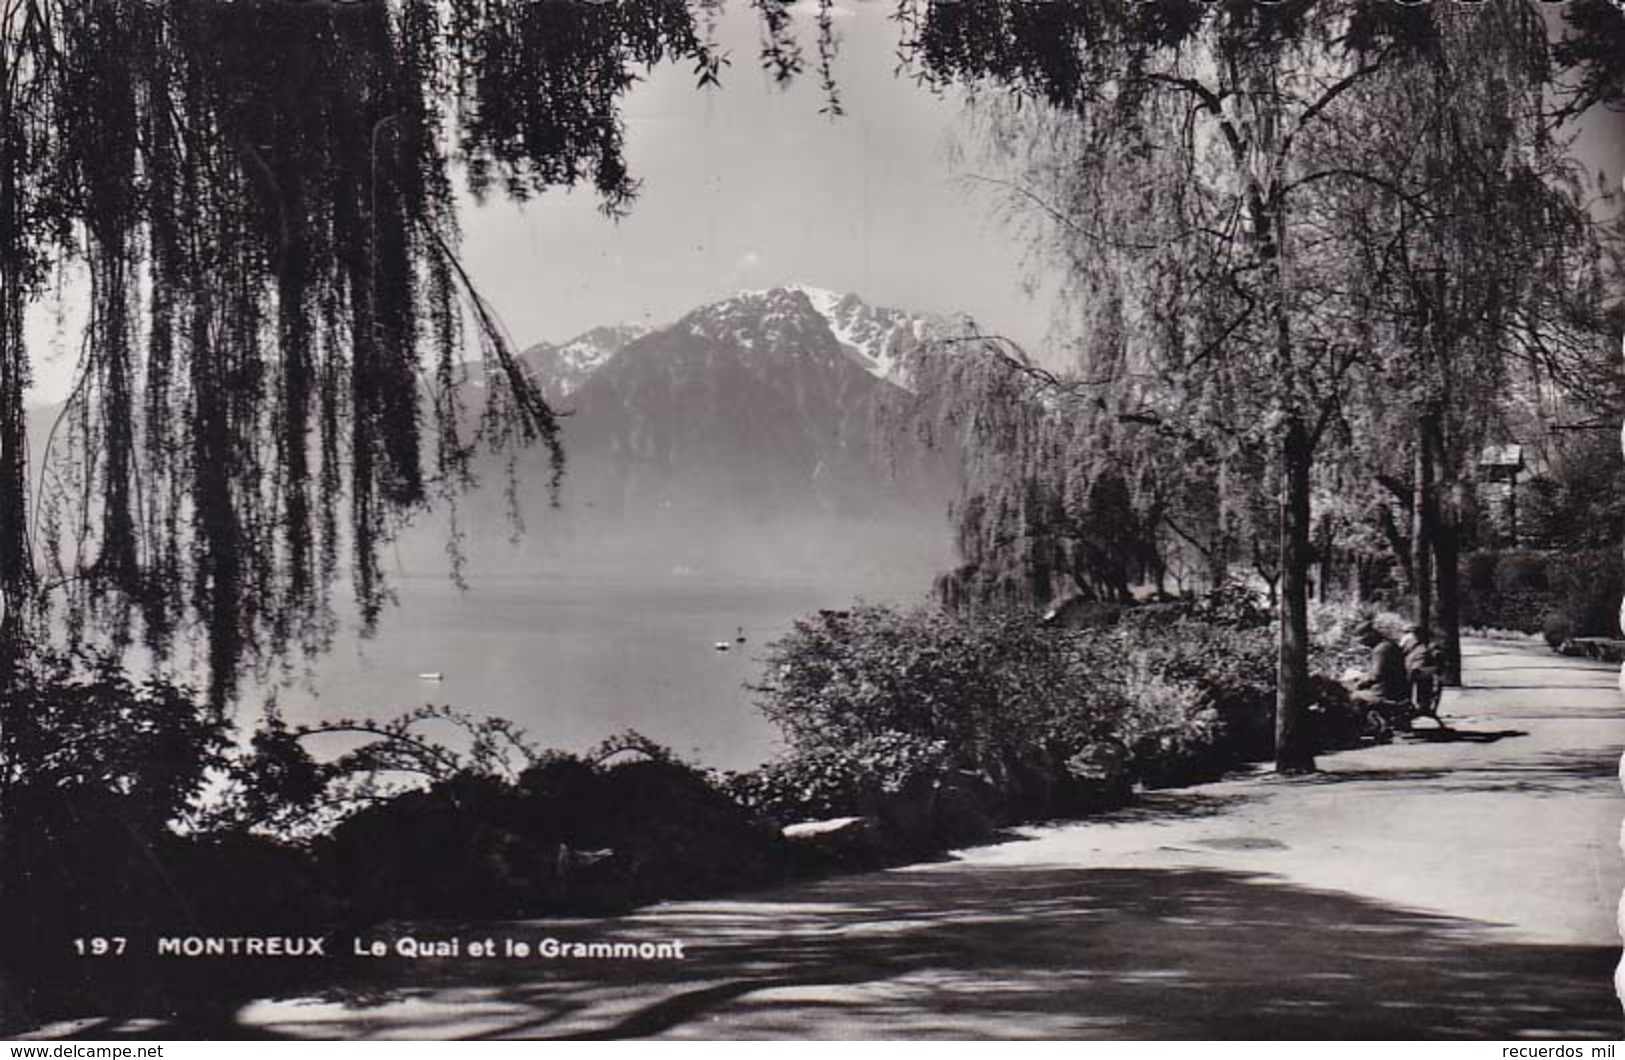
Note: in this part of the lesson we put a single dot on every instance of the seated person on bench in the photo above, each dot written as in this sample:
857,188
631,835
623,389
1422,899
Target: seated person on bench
1387,681
1422,669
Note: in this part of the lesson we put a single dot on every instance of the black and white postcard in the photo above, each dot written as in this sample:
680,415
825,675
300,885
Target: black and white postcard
911,519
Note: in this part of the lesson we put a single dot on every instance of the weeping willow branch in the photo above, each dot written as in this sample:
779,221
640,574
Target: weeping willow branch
260,195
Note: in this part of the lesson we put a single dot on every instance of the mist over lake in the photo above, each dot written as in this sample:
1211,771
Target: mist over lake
573,659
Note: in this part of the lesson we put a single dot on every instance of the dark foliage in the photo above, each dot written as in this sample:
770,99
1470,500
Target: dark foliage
90,734
570,837
1556,630
1571,594
1593,51
97,844
1029,539
443,852
828,783
96,771
988,688
1577,503
675,832
1026,720
1069,54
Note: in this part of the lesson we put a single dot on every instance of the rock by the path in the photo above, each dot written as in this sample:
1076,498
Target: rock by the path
836,843
824,831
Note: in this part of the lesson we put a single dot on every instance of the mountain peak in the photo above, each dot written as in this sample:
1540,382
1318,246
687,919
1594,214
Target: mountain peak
778,319
883,341
593,347
561,369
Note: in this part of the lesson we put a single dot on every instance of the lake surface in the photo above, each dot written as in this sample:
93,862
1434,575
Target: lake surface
573,660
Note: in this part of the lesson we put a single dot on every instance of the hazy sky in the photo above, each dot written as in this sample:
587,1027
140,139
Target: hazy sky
748,186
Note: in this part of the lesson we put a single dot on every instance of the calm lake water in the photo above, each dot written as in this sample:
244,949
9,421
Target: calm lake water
572,660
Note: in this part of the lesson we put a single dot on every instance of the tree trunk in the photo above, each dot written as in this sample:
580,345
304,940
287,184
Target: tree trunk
1448,556
1272,578
1447,569
1294,747
1323,559
1218,557
1423,520
15,567
1399,545
1294,742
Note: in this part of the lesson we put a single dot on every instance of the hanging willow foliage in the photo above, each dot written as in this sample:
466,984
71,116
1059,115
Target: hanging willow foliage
260,194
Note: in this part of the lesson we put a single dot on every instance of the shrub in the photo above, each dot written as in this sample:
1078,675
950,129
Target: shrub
675,833
938,725
1521,572
829,782
989,688
551,788
1334,717
1478,573
1233,668
1078,613
1158,615
573,835
1027,715
906,785
1556,630
98,770
1334,635
893,715
1522,590
1589,585
1230,606
452,850
90,733
1233,605
1169,726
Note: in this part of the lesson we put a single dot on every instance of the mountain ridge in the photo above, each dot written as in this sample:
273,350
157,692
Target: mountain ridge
742,425
882,340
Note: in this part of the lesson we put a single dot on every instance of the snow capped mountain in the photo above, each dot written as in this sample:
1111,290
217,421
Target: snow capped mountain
768,405
800,320
762,425
562,369
779,320
587,351
883,342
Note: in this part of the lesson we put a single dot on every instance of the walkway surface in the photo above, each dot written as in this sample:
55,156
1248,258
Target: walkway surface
1458,885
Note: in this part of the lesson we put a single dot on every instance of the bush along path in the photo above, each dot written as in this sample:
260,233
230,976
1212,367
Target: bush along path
1458,885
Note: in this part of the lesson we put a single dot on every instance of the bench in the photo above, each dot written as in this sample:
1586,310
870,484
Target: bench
1604,648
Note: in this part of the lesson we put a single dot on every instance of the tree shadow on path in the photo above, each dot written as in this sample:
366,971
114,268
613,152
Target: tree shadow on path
1434,734
1021,952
